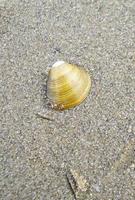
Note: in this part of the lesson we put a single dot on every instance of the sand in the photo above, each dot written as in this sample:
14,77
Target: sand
96,138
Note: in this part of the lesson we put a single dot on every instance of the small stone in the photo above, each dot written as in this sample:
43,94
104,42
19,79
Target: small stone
129,129
132,166
97,187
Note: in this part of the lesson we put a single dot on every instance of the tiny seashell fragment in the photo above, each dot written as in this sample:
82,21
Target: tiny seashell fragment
78,183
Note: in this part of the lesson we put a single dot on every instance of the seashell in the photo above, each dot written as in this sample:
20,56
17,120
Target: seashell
67,86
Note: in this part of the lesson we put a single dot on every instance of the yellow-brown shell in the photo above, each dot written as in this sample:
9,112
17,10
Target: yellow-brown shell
67,86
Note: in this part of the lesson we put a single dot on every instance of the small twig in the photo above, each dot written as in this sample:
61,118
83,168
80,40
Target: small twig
71,188
44,117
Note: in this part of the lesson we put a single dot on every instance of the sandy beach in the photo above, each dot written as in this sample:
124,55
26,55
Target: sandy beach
96,138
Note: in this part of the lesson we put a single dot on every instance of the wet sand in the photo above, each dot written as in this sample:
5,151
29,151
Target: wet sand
96,138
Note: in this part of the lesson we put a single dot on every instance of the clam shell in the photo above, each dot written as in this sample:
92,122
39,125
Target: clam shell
67,86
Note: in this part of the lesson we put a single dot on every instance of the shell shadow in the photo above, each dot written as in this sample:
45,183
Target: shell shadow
45,100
